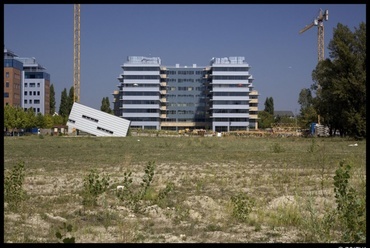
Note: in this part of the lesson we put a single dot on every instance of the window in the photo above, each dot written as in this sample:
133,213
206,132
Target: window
72,121
25,93
30,93
38,110
6,74
38,84
105,130
6,94
25,101
34,93
30,101
89,118
7,84
36,101
25,84
32,84
38,93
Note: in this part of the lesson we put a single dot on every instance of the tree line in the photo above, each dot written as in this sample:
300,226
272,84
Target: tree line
18,118
337,97
339,85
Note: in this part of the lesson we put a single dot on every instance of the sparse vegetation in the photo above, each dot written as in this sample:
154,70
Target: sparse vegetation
242,206
94,185
192,193
64,234
351,206
14,194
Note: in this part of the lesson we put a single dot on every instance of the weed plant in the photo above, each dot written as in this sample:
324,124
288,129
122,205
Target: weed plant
64,234
14,194
351,206
134,196
94,185
242,206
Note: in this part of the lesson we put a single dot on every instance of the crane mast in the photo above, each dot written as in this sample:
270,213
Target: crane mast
76,54
319,22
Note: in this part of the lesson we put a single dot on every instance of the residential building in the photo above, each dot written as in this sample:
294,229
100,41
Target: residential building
218,97
35,86
12,79
26,83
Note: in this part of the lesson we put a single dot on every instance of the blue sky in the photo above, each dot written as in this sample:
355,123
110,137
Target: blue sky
281,59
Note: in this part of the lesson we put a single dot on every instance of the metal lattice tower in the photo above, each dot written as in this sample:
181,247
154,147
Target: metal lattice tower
76,54
320,41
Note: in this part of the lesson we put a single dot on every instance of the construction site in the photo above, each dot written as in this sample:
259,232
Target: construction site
276,130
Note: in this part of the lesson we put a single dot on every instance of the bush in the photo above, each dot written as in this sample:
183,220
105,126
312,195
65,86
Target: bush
94,185
64,235
134,196
13,186
351,206
242,206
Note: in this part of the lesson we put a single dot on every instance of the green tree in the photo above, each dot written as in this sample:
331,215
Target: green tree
30,118
307,112
70,99
64,106
105,105
52,99
265,119
58,120
269,105
20,118
305,99
48,121
340,82
40,121
9,117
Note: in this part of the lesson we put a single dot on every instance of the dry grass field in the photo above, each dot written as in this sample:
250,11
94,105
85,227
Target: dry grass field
195,189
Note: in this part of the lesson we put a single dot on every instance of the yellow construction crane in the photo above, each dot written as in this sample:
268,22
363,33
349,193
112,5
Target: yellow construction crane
319,22
76,54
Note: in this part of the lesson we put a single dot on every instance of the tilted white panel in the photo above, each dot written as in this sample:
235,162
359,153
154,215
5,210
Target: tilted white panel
95,120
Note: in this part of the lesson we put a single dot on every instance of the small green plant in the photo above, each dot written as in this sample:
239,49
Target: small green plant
182,213
94,185
277,148
313,146
162,195
242,206
13,186
134,197
351,206
64,235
